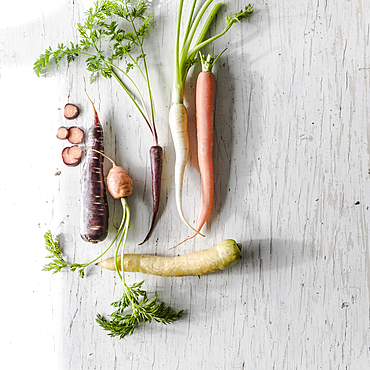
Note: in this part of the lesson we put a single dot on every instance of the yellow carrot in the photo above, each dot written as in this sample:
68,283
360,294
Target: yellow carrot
220,257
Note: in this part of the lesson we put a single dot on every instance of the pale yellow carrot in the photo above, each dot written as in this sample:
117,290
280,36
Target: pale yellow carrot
220,257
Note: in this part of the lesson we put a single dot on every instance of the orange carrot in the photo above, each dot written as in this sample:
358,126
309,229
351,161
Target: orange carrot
205,109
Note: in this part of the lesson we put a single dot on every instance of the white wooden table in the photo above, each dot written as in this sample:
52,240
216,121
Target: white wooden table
292,146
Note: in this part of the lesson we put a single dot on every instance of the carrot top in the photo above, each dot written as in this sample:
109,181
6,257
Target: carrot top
209,62
185,57
105,43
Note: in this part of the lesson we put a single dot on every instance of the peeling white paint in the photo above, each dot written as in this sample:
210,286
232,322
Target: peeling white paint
292,164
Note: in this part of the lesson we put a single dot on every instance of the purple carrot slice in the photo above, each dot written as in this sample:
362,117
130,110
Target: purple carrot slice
62,133
76,135
75,152
71,111
72,155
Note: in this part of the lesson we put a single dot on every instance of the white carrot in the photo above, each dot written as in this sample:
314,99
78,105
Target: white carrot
178,121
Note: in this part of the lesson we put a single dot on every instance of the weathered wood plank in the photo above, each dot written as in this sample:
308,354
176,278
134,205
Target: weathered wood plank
292,175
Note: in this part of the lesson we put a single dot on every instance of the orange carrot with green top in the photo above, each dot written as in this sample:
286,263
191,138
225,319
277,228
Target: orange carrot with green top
205,112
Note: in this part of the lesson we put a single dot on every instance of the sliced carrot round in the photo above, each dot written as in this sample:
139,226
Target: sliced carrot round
76,135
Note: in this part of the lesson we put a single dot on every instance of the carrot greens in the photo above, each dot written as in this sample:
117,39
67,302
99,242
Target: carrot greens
134,305
185,53
101,28
135,298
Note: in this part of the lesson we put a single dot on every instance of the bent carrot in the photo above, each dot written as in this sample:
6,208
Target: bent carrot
156,165
178,120
220,257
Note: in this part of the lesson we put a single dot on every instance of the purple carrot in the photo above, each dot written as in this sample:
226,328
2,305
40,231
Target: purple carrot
156,165
94,205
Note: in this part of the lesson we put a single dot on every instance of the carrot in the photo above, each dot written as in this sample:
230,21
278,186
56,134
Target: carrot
94,204
71,111
62,133
219,257
76,135
156,165
120,186
184,60
178,125
119,183
205,109
72,155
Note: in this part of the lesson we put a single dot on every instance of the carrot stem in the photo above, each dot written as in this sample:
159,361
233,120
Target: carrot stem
207,23
146,78
230,20
132,99
190,19
177,93
190,36
122,239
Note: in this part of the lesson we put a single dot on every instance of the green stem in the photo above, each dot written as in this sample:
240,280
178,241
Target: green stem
146,78
209,62
109,247
183,60
184,53
124,86
116,263
207,24
190,21
229,22
197,48
131,97
176,93
122,240
127,223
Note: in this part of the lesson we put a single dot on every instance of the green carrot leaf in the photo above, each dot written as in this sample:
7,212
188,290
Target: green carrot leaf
237,17
122,323
52,246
